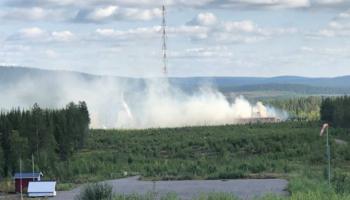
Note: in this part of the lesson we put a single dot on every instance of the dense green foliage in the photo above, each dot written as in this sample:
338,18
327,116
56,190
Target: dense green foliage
301,108
232,151
292,150
96,191
336,111
49,135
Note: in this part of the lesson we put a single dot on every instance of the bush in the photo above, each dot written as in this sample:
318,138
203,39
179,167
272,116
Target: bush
341,183
96,191
234,174
312,195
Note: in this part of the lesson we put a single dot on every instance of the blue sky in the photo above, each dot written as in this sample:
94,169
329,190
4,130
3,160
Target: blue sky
205,37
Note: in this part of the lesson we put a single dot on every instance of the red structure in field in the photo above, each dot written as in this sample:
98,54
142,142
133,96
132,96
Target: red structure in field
24,179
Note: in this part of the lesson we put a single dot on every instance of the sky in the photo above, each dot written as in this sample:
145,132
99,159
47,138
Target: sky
204,37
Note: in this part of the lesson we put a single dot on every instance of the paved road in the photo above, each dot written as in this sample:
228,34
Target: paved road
242,188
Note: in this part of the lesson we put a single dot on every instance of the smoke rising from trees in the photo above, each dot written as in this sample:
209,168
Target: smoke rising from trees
121,103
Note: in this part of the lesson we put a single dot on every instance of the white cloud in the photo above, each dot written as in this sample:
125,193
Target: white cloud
243,26
335,28
205,26
329,2
203,52
35,14
344,15
94,3
144,15
260,4
307,49
108,32
140,33
192,3
102,11
329,51
50,53
195,32
273,3
110,13
32,33
40,35
99,14
236,31
204,19
63,36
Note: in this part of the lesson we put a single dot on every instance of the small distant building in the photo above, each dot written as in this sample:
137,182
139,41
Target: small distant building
42,189
25,178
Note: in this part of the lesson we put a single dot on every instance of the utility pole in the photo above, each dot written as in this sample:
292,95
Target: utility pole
37,141
328,158
325,127
33,165
20,177
164,37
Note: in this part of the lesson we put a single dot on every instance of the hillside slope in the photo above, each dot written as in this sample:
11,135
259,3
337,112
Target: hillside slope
296,85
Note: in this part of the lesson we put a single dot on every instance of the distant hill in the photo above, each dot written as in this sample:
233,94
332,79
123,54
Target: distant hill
283,84
337,82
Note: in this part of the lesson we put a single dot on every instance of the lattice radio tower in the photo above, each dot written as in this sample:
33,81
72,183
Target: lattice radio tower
164,40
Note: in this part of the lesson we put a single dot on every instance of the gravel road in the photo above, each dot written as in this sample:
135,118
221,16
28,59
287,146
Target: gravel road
243,188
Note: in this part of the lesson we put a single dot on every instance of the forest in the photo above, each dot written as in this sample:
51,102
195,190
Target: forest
46,134
299,108
336,111
67,151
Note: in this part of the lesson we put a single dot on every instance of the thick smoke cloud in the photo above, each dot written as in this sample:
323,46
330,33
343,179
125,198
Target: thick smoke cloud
121,103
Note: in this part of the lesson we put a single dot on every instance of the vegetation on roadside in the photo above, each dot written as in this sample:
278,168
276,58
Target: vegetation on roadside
96,191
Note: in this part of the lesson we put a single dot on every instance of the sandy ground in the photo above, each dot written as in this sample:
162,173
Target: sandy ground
243,188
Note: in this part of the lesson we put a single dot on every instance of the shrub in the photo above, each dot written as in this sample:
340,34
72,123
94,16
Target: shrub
96,191
341,182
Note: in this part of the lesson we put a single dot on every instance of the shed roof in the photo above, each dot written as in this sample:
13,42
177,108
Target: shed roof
25,175
42,187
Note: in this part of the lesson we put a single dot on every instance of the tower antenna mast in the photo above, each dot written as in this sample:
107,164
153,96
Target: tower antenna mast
164,37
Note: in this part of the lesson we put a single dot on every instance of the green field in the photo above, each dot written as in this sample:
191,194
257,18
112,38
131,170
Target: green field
292,150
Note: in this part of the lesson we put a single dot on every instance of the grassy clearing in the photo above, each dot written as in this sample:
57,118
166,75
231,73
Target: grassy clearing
292,150
222,152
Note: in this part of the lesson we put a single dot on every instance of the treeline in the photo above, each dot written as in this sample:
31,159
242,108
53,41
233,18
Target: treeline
336,111
49,135
302,108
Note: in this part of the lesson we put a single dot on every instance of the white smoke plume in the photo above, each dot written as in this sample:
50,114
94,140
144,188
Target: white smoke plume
120,104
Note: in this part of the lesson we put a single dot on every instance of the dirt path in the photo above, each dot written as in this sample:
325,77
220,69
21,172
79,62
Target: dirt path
242,188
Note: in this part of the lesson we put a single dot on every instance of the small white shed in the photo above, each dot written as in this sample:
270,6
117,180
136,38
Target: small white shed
42,189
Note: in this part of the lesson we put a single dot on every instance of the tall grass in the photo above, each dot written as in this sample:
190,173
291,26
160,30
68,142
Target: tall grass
96,191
